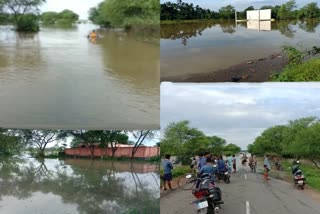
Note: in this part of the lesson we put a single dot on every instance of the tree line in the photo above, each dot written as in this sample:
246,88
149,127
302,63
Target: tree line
127,13
299,138
179,139
25,15
13,141
286,11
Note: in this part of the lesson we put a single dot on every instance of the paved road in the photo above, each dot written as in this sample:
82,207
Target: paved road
248,193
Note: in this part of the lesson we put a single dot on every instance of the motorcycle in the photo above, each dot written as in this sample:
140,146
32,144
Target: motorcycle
208,195
253,167
299,179
222,175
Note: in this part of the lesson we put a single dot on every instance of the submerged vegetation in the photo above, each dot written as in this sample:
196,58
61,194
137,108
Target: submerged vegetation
65,17
127,14
288,10
24,14
140,16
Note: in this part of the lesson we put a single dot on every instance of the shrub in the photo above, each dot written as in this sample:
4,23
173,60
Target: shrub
28,23
307,71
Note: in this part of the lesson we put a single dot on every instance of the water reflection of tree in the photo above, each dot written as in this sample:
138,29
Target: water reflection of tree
93,190
285,28
228,27
184,31
309,25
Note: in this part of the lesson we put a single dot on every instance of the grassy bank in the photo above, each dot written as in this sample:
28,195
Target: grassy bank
311,172
303,65
306,71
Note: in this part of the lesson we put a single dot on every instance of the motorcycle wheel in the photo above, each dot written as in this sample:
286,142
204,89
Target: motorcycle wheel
227,180
302,187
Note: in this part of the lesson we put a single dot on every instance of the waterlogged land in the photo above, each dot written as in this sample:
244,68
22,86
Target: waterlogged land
78,186
198,51
58,79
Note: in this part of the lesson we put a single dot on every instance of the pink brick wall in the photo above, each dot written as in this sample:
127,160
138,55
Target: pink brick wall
142,152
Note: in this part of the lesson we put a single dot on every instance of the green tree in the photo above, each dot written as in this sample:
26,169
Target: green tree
49,17
231,149
22,11
310,11
286,10
67,17
40,139
227,12
307,144
9,143
126,13
140,137
176,135
215,145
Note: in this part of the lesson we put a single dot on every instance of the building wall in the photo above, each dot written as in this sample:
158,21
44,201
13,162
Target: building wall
254,14
142,152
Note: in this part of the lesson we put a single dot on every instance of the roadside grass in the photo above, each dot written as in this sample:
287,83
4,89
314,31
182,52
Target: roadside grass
306,71
311,172
176,172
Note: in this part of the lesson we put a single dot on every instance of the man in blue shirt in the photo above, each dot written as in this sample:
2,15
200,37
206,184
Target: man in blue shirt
167,171
221,164
202,160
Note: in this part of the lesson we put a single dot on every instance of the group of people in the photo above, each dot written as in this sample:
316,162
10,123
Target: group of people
223,165
202,165
205,161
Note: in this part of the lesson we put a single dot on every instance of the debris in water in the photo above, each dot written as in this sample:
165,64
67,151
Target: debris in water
250,62
236,79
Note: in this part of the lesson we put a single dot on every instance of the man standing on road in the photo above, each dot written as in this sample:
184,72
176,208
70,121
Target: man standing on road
267,166
167,170
229,160
234,163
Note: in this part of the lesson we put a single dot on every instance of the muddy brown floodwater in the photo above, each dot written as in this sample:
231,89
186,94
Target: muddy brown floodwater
57,78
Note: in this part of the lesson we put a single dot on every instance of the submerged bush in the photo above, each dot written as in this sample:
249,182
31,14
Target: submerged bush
28,23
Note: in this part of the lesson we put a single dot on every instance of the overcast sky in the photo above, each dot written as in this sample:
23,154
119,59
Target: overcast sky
238,112
80,7
239,4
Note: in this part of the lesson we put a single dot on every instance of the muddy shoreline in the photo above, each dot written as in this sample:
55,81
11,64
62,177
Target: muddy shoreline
258,70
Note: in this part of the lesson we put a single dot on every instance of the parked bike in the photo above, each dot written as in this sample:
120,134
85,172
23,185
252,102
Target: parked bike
208,196
298,176
222,175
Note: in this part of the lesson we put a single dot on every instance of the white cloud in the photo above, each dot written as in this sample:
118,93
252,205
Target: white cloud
238,112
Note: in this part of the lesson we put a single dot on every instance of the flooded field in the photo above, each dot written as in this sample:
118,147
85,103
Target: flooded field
195,48
57,78
78,186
